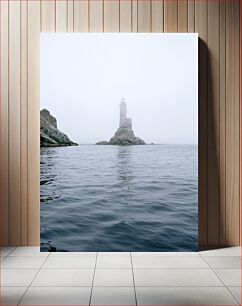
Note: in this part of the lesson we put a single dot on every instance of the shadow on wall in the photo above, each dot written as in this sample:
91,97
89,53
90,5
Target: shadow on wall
209,174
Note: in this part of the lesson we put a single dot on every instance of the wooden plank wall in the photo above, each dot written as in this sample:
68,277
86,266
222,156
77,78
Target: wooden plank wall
217,23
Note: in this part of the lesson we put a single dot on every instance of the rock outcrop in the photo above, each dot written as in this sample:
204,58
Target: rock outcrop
50,136
104,142
125,136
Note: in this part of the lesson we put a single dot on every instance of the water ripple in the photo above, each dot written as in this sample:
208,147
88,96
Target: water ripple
111,198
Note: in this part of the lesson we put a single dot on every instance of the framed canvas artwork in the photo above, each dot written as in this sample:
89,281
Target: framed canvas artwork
119,142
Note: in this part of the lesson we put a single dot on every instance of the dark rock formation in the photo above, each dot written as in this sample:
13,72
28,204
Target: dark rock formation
50,136
125,136
104,142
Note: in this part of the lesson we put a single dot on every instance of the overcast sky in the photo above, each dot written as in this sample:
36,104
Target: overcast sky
84,77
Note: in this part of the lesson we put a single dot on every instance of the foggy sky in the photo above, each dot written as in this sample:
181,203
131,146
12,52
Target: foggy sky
84,76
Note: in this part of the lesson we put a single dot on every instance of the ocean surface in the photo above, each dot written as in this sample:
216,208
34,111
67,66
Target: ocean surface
119,198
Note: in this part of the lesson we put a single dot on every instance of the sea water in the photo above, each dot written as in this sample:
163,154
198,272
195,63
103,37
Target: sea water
119,198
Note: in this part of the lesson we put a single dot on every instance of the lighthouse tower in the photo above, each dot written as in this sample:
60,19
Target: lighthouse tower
124,134
124,122
123,113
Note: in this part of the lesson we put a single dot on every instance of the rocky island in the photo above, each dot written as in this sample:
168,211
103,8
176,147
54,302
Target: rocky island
50,136
124,134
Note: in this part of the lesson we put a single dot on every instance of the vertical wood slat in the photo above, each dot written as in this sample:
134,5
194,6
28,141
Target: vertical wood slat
23,125
96,16
171,15
48,16
81,16
191,16
182,16
222,141
232,121
240,128
213,124
157,15
111,16
125,16
70,16
33,122
201,28
144,16
4,174
61,16
14,122
134,16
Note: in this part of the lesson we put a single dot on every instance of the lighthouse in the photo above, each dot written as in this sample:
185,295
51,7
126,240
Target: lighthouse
123,113
124,122
124,134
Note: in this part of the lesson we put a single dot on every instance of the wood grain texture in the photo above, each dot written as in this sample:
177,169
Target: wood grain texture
217,23
240,128
111,16
48,16
213,124
201,28
144,16
61,16
4,135
182,16
232,121
222,120
171,15
96,16
23,124
81,16
134,16
157,15
125,16
33,213
191,16
70,16
14,121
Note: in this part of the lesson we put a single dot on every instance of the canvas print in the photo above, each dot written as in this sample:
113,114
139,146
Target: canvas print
119,142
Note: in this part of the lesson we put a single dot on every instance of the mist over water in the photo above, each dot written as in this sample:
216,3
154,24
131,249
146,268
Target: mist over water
119,198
